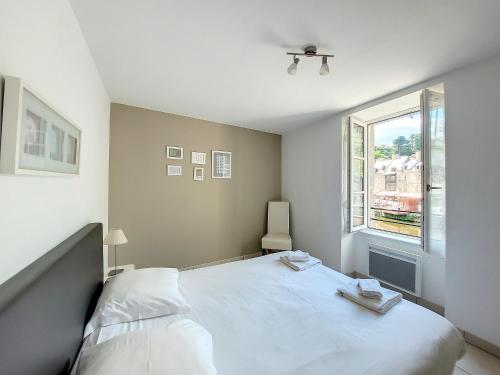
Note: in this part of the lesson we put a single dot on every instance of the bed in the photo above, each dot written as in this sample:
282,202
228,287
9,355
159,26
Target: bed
265,318
268,319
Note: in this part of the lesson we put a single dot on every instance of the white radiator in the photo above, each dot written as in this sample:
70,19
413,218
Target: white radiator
397,268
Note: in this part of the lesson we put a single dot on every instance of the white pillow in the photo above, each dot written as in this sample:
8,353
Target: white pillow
182,348
139,294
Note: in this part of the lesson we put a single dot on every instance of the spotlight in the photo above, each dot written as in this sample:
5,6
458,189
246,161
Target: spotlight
292,69
324,70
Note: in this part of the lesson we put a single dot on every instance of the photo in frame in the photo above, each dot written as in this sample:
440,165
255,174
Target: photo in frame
36,138
221,164
174,152
198,174
174,170
198,157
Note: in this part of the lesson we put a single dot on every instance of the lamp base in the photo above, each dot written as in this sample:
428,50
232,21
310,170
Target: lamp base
115,272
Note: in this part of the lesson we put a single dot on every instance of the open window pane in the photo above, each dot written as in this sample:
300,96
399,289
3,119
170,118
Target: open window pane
358,141
358,175
357,168
435,194
358,209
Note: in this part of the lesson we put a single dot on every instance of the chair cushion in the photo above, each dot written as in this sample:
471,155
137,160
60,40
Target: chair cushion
277,242
278,217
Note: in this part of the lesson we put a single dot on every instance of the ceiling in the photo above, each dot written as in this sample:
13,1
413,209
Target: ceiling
388,108
394,106
224,60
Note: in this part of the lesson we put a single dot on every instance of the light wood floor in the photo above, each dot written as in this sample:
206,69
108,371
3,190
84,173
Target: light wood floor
477,362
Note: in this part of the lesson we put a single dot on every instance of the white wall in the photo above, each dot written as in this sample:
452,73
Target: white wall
41,42
469,288
473,200
311,181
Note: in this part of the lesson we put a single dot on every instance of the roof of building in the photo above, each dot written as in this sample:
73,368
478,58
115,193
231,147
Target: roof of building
391,166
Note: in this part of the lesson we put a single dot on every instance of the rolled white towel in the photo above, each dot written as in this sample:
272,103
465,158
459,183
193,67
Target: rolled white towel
298,256
381,306
369,288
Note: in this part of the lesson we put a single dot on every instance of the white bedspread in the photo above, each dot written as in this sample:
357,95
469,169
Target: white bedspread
182,348
268,319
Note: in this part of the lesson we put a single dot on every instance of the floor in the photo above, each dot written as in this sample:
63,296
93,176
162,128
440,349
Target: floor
477,362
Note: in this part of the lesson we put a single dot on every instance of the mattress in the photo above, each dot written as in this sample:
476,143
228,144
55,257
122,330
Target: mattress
268,319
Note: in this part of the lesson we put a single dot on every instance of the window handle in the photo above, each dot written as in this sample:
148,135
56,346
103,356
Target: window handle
430,187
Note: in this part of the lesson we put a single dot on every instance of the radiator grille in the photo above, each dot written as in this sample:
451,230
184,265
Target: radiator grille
396,268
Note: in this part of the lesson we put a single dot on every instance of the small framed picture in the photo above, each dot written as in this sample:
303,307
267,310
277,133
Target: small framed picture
174,152
221,164
198,157
198,174
174,170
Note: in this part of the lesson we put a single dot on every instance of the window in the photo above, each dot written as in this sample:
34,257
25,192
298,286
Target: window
395,180
390,181
396,169
358,173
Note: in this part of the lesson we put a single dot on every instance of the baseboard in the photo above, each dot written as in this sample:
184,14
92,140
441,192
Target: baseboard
227,260
482,344
438,309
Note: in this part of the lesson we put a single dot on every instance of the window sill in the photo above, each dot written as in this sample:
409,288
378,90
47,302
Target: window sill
394,237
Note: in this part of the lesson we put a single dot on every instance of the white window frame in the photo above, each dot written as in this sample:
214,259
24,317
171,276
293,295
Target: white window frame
423,240
427,187
351,123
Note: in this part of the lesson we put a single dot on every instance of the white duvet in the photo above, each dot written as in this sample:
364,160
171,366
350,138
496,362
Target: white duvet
268,319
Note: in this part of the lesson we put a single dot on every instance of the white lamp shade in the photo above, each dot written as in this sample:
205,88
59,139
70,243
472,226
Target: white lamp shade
115,237
325,69
292,69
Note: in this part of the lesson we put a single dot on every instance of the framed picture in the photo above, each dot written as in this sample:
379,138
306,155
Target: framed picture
221,164
174,152
174,170
198,174
36,138
198,157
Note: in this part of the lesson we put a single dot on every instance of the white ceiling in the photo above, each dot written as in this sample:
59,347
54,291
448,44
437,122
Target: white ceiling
224,60
403,103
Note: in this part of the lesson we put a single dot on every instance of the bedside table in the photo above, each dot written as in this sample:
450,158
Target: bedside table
120,269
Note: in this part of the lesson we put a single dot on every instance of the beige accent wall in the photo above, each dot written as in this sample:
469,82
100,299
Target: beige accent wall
174,221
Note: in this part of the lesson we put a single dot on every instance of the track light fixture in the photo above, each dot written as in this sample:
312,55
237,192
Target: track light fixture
309,51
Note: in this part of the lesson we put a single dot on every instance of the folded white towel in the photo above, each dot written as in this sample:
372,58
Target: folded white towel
369,288
298,256
382,305
300,266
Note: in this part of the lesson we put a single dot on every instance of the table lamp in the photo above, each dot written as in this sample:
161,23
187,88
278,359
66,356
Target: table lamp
115,237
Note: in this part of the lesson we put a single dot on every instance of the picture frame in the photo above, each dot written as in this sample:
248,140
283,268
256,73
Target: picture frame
36,138
198,173
198,158
174,152
221,164
174,170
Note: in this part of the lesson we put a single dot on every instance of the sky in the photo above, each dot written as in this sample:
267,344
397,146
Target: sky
386,132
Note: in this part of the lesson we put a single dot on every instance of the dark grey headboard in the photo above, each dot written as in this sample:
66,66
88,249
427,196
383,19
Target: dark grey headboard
43,309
